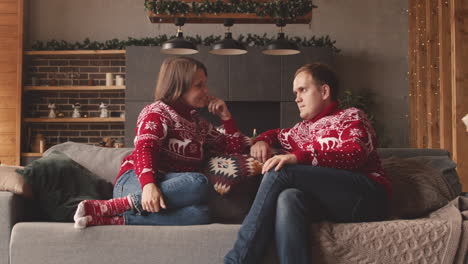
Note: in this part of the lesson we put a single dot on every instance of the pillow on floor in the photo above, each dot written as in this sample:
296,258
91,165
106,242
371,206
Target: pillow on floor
418,187
229,171
11,181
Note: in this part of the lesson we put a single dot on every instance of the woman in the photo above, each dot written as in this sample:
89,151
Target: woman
160,182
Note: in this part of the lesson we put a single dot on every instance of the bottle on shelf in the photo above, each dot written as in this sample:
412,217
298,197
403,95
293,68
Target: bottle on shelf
39,144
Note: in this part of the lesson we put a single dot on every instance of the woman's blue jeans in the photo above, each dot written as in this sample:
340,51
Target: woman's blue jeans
185,195
288,200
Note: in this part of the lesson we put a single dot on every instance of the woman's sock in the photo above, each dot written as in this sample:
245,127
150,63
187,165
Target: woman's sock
90,220
110,207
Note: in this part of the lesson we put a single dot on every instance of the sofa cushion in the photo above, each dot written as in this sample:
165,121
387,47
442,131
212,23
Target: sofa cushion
419,185
13,182
225,172
46,242
205,244
104,162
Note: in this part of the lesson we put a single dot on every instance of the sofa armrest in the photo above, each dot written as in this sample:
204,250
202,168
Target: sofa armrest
12,209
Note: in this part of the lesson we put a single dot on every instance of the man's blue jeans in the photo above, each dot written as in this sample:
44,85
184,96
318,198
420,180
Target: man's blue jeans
185,195
288,200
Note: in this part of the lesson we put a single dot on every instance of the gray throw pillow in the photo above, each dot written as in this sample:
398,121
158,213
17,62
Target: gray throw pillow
419,185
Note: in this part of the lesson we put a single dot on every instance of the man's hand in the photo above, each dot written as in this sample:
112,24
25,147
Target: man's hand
218,107
261,151
152,199
278,161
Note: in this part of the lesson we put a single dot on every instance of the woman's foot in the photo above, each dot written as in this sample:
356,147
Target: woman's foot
110,207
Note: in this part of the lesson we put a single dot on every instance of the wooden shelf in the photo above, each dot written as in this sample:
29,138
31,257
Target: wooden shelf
75,52
74,120
31,154
73,88
245,18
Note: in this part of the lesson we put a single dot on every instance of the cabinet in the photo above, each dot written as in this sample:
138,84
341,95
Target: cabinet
143,64
72,72
255,77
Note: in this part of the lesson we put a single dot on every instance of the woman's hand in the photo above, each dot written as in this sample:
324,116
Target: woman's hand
279,161
219,108
261,151
152,199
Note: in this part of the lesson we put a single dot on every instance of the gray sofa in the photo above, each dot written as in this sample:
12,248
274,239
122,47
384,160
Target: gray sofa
23,241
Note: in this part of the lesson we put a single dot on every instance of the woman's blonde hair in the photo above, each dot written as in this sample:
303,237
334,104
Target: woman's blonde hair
175,78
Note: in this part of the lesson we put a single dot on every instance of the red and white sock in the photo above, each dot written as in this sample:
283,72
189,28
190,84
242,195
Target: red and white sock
110,207
90,220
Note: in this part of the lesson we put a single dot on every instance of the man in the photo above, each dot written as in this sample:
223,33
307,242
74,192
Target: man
332,172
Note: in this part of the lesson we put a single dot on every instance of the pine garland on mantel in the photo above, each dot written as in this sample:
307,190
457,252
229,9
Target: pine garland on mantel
251,40
275,8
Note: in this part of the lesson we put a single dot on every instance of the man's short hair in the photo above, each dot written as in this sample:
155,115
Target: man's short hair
322,74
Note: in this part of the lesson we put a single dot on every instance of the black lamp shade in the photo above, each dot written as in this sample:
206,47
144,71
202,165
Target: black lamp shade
228,46
281,46
179,46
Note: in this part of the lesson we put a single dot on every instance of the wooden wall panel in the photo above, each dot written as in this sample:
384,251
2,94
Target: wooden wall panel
11,53
432,85
11,30
8,7
9,19
438,77
459,59
421,62
7,84
445,66
412,77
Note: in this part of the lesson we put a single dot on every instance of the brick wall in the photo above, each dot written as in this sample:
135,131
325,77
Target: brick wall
84,67
73,70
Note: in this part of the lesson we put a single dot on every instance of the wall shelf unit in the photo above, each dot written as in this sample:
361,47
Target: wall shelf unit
74,120
71,71
75,52
73,88
31,154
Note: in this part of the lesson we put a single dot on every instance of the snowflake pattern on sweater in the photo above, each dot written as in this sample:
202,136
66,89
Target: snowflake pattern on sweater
176,139
342,139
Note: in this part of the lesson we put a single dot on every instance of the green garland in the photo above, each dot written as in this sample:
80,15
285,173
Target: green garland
251,40
277,8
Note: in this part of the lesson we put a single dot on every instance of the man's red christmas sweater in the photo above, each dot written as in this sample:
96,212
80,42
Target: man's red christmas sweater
342,139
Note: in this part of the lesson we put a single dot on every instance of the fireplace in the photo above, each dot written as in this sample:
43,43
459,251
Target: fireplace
262,116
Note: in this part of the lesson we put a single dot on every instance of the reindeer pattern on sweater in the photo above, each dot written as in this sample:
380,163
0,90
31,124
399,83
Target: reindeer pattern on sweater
169,141
342,139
